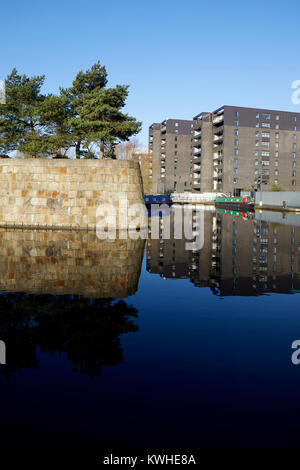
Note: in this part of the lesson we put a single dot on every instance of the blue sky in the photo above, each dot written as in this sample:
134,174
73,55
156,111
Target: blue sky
180,58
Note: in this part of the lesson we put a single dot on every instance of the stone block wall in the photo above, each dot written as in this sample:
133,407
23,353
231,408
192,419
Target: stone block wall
64,193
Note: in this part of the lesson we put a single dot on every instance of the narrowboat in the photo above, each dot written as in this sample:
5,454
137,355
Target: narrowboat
157,199
240,204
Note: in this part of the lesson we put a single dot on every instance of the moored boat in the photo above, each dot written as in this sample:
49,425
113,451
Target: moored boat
235,203
157,199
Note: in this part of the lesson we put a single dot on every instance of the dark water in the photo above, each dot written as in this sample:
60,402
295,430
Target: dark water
179,349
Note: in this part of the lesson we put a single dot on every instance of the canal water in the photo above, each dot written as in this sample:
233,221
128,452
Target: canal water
145,344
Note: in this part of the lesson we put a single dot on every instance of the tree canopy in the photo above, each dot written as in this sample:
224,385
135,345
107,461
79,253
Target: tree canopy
87,114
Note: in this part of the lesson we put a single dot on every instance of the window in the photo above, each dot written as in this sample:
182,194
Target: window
294,128
275,163
294,173
266,116
256,153
265,144
276,154
276,145
294,137
235,171
266,135
256,162
294,119
293,164
257,143
277,117
276,126
276,135
256,172
235,161
266,125
236,114
265,163
257,115
276,172
176,124
236,123
265,154
294,146
257,134
236,142
293,155
176,131
236,152
265,172
235,180
293,182
236,132
257,124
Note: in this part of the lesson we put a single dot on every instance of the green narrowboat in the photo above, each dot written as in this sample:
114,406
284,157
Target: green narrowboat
235,203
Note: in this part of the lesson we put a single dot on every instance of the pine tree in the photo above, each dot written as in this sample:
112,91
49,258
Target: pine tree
19,117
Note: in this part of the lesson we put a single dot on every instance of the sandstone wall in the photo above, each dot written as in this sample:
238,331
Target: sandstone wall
64,193
68,262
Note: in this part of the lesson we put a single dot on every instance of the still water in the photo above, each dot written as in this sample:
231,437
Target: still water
140,344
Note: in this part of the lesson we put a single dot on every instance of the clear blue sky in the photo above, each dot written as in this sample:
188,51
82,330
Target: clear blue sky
179,57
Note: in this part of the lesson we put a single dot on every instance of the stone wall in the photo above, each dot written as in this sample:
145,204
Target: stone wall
64,193
68,262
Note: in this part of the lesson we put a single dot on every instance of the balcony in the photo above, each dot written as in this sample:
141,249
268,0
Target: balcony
197,168
196,185
163,129
197,143
218,120
197,124
197,160
218,157
219,130
198,152
197,135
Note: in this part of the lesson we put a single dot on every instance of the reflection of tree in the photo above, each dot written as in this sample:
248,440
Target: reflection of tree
86,330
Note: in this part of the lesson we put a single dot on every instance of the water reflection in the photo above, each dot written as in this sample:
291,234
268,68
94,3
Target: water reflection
241,255
65,262
86,330
61,293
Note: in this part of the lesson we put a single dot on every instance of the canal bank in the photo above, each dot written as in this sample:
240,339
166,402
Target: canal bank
282,201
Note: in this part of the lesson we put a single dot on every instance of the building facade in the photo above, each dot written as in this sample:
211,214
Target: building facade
236,149
171,156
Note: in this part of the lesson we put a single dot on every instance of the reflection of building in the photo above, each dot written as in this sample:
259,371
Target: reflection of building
239,256
233,146
68,262
170,148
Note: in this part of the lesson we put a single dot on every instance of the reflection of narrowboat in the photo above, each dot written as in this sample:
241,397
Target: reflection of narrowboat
158,199
244,215
240,204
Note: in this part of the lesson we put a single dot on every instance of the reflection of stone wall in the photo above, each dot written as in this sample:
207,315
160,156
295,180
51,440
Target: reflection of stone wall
64,192
68,262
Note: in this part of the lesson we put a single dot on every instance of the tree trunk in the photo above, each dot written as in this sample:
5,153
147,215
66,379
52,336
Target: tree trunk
101,149
77,148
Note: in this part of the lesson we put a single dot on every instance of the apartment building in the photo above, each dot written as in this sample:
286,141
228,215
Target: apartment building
171,156
236,148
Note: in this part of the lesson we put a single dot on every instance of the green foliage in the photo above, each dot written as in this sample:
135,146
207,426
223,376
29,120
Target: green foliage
84,114
277,188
